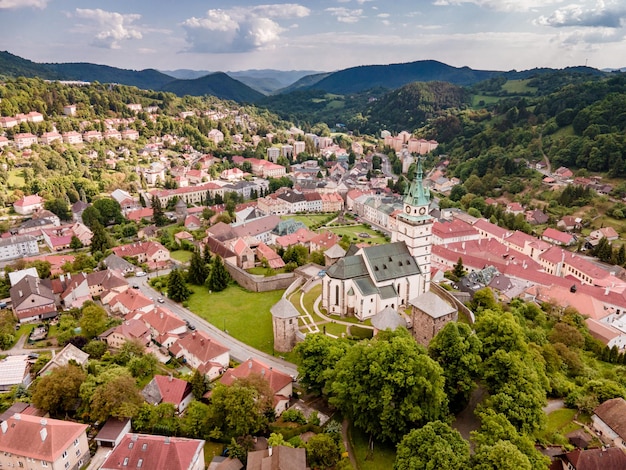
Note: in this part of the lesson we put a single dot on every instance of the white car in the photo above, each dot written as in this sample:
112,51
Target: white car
140,274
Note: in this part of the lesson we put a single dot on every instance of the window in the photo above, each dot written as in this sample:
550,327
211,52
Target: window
64,454
77,452
75,442
67,465
44,463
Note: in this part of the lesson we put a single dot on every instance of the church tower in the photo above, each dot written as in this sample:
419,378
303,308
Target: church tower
415,225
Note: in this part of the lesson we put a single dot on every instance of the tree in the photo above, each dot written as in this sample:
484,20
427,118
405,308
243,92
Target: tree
158,214
58,392
93,320
318,355
91,215
119,398
206,254
496,427
297,254
503,455
457,350
197,272
499,331
75,243
459,269
177,290
100,242
322,451
109,210
388,385
218,278
95,348
59,207
432,447
199,384
235,410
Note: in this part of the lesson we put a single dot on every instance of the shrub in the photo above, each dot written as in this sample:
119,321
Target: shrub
293,416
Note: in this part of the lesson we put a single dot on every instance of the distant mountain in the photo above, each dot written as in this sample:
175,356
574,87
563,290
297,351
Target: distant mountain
265,81
358,79
218,84
305,83
14,66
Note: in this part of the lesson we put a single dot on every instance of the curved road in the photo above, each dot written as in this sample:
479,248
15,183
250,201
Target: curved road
238,350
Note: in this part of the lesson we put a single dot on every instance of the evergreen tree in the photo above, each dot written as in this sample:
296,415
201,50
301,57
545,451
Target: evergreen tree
620,255
177,290
197,273
100,240
218,278
206,254
158,214
459,269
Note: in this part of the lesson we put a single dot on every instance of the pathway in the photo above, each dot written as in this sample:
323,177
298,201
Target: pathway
21,349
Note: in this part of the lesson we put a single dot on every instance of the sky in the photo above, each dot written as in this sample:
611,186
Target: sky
322,35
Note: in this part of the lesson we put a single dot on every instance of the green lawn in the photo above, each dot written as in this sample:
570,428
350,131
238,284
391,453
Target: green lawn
182,256
261,271
307,219
353,232
245,315
212,449
382,457
518,86
559,423
16,178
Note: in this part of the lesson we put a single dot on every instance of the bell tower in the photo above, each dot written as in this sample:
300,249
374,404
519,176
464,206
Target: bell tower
415,225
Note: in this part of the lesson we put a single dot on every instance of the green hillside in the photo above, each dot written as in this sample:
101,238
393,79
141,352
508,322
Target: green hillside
217,84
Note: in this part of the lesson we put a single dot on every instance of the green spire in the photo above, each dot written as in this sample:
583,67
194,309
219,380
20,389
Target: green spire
417,195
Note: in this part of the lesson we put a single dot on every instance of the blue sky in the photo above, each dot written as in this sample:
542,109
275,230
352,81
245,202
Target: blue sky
316,35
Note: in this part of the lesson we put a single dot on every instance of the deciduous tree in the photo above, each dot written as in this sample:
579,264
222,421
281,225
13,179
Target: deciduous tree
58,392
435,446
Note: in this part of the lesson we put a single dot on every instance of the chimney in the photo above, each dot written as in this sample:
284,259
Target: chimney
606,290
17,416
167,440
170,377
269,450
43,421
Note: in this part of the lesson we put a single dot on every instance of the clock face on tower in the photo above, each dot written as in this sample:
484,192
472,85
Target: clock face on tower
422,210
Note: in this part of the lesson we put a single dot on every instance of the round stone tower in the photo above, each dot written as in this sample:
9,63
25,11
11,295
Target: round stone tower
285,324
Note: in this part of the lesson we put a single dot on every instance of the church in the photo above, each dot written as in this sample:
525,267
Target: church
368,280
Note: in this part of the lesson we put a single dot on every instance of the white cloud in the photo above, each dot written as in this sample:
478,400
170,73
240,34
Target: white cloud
112,27
501,5
577,16
14,4
239,29
345,15
383,15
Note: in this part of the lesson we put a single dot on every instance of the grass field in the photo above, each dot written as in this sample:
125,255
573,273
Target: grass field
261,271
353,232
245,315
182,256
476,99
518,86
212,449
382,457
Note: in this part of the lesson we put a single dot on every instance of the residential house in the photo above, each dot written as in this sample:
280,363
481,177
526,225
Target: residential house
514,208
18,246
557,237
193,222
152,253
609,421
323,241
92,136
156,453
605,232
569,223
59,238
28,204
130,134
216,136
48,137
32,442
183,236
4,142
24,140
564,173
113,432
118,265
607,333
69,353
537,217
72,137
167,389
203,353
165,326
129,330
277,457
136,107
69,110
280,383
130,300
603,458
245,254
32,300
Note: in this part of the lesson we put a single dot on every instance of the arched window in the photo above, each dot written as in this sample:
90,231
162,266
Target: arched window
337,294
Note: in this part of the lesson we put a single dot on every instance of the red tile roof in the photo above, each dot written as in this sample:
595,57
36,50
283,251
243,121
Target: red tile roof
24,436
276,379
172,390
200,345
155,453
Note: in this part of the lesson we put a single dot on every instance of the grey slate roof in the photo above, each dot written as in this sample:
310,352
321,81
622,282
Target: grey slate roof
335,251
366,286
388,318
432,305
284,309
348,268
391,261
388,292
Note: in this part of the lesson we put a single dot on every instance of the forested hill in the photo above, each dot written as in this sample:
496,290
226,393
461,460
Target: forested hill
218,84
582,125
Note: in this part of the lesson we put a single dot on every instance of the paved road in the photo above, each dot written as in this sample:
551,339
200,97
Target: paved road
238,350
